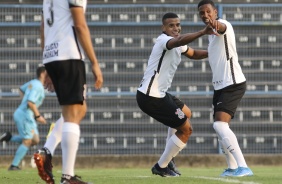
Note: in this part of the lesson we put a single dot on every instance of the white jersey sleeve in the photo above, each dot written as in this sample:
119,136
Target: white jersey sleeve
184,49
77,2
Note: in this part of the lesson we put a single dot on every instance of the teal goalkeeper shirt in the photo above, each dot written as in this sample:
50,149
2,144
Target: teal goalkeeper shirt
33,92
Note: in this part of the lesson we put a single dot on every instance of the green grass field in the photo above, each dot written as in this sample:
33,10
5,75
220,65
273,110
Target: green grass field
263,175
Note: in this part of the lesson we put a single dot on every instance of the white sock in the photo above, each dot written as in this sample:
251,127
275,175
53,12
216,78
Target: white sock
173,147
55,137
230,142
170,132
231,162
70,142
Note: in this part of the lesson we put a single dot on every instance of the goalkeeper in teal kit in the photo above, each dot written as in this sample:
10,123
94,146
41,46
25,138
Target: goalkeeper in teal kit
26,117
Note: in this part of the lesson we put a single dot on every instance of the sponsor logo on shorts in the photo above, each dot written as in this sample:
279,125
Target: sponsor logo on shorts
179,113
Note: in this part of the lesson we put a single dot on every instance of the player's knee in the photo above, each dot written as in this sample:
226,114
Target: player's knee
186,130
218,126
189,127
189,131
35,142
187,111
27,142
189,115
184,135
83,111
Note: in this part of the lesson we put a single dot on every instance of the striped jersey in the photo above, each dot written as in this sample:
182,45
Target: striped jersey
223,58
162,65
60,42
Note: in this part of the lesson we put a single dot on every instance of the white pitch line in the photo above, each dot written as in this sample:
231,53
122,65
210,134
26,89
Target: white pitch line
226,180
143,176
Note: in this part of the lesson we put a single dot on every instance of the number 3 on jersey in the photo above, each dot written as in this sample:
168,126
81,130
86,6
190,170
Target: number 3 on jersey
50,20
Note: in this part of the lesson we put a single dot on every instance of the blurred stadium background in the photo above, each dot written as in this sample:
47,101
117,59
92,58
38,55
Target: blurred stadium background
123,33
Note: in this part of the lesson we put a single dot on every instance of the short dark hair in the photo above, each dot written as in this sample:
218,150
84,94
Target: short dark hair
203,2
168,16
40,70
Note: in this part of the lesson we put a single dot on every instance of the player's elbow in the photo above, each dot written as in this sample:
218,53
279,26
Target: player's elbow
30,104
180,41
80,28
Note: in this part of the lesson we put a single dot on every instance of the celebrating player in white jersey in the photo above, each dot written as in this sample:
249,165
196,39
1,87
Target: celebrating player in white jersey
152,96
229,86
66,40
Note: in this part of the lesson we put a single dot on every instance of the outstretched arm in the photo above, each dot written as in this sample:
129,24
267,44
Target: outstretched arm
189,37
196,54
184,39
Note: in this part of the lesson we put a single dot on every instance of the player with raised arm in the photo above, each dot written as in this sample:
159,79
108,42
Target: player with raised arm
152,96
229,86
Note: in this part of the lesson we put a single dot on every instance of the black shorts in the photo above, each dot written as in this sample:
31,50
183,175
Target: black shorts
69,80
228,99
166,110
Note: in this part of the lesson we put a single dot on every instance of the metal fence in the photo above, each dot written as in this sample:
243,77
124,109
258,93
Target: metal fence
123,36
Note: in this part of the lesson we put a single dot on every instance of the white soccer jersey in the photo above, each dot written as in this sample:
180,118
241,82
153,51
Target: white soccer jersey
60,39
223,59
161,67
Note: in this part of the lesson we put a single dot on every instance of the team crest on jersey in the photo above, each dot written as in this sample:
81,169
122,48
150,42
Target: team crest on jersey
179,113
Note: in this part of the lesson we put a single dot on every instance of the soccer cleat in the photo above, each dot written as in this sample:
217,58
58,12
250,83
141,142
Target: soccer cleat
243,171
14,168
164,172
67,179
228,172
172,166
6,137
43,161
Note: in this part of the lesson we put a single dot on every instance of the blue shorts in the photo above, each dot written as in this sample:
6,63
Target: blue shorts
26,125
